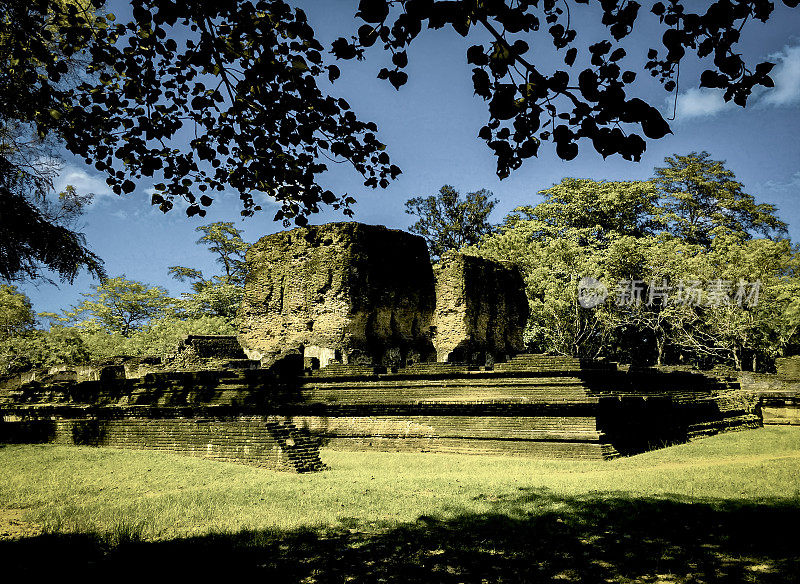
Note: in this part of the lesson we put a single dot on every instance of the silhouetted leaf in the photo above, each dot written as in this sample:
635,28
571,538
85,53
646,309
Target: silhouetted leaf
373,10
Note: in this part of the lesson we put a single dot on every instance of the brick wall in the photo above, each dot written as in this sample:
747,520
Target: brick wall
779,394
532,405
268,442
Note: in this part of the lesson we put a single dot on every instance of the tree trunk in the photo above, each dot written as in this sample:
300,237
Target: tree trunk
659,350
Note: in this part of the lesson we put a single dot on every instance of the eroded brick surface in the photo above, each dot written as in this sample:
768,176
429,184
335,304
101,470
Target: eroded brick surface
339,292
481,310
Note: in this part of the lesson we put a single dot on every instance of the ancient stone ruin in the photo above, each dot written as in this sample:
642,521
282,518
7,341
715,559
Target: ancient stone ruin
351,339
346,292
366,295
481,310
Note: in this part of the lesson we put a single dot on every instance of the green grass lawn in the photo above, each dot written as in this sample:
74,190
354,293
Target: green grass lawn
714,507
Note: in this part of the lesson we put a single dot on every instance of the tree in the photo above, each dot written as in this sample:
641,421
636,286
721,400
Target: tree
120,306
570,236
35,233
528,106
596,209
554,255
16,312
699,195
643,275
759,328
225,241
448,221
219,295
669,298
38,348
162,335
244,79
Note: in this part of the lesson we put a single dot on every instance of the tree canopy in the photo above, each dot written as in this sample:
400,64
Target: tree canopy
16,311
121,306
219,295
588,99
39,64
449,221
699,195
206,96
663,293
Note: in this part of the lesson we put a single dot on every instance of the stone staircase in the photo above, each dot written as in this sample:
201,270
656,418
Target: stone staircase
541,363
534,405
301,450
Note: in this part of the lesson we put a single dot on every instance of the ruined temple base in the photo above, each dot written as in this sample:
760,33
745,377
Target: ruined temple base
267,442
531,405
270,442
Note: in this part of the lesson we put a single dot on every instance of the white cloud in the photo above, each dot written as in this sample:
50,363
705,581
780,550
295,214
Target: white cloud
83,182
705,102
793,184
698,103
786,76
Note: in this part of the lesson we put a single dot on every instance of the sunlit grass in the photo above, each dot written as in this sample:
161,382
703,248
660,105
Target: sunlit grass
155,496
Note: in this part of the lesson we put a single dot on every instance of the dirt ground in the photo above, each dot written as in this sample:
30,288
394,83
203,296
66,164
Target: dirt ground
12,525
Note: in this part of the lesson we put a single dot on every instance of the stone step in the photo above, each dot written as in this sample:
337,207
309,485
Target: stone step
339,370
242,364
536,448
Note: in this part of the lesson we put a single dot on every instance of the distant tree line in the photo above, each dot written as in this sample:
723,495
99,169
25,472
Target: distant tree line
684,268
695,270
126,317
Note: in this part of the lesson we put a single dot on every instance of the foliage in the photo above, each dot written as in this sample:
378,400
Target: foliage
449,222
225,241
528,106
16,312
552,267
41,349
594,210
214,297
36,44
562,240
758,331
161,336
158,338
120,306
244,77
37,233
219,295
699,195
670,297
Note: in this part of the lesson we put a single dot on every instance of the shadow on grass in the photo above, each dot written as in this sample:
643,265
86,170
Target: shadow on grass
590,539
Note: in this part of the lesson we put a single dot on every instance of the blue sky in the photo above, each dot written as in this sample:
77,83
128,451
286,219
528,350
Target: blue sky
430,127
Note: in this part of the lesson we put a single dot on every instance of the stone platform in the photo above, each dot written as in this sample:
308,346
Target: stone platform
535,405
225,415
531,405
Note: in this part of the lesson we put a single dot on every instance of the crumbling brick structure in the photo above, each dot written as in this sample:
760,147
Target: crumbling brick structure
365,294
481,310
343,292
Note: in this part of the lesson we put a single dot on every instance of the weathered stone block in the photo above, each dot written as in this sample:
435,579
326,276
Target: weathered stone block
788,368
339,292
481,309
212,346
